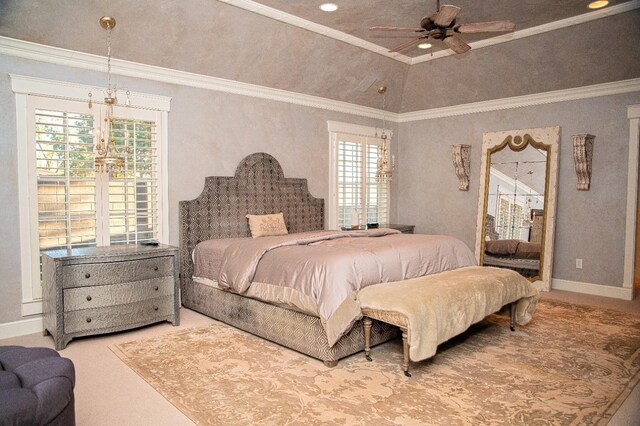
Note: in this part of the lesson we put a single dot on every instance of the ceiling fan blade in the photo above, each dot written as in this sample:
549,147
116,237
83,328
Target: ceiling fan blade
482,27
407,45
446,15
417,30
456,44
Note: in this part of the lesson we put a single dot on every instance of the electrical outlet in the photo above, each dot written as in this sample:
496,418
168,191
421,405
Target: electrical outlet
578,263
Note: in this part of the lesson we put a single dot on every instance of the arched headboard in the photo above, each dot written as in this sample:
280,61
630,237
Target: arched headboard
258,187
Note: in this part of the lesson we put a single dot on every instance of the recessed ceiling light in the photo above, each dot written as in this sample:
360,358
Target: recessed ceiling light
598,4
329,7
424,45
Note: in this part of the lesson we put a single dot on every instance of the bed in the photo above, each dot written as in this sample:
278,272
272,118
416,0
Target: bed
219,214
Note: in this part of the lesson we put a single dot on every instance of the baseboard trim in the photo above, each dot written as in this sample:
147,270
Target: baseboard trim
20,328
593,289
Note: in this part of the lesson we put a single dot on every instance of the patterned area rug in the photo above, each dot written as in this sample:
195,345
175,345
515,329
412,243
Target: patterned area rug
571,365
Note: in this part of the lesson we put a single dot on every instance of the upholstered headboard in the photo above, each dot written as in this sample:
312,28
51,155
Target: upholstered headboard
258,187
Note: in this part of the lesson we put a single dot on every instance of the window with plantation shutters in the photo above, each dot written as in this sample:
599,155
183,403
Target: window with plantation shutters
80,207
358,198
63,202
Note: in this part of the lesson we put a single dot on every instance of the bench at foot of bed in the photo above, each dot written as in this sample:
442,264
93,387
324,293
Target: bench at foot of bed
431,310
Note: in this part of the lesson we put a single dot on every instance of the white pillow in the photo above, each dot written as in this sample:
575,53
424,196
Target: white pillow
267,225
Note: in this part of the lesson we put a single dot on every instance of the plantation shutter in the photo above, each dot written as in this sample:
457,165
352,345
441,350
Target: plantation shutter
377,192
350,180
66,186
361,199
133,193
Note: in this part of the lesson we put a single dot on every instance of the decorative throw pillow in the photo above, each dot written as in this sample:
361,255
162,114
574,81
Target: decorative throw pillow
267,225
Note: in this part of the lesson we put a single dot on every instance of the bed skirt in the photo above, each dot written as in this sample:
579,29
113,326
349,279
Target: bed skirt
295,330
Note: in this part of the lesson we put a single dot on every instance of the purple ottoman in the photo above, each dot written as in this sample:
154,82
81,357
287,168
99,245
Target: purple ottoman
36,387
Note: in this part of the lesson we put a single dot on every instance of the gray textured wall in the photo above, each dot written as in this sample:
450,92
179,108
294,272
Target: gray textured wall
590,224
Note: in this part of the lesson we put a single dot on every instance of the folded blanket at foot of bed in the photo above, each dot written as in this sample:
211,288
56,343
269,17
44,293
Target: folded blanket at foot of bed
435,308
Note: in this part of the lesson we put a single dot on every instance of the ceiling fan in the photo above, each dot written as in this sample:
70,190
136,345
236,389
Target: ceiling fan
442,26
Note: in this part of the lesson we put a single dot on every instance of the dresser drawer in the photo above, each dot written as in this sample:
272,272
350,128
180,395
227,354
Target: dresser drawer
116,294
96,274
91,320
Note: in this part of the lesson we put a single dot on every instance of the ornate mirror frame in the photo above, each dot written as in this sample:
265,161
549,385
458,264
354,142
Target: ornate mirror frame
549,139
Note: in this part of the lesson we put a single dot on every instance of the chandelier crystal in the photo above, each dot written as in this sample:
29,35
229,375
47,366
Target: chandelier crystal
384,171
108,157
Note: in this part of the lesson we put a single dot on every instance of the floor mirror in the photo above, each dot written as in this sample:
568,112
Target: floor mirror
517,202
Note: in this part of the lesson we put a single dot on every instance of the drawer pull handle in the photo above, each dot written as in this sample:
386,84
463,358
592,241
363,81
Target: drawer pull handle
88,319
155,268
88,298
87,275
155,308
156,288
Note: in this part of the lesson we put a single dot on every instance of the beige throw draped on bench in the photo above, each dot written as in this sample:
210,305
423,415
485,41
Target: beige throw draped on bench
435,308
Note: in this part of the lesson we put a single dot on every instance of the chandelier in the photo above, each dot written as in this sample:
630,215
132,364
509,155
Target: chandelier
384,171
108,157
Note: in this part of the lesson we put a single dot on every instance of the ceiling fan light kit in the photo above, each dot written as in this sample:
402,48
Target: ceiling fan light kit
442,26
598,4
328,7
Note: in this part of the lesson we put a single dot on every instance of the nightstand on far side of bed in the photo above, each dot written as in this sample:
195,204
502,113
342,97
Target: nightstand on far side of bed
405,229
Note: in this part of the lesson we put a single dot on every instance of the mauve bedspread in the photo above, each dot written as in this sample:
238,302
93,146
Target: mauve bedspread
323,271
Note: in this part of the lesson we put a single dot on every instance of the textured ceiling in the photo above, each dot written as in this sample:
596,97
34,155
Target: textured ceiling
354,17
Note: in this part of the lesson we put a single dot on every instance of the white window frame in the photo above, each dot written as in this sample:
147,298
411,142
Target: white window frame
335,128
25,89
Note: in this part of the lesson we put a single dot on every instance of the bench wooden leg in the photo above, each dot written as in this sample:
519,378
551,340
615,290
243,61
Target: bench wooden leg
367,337
405,352
512,316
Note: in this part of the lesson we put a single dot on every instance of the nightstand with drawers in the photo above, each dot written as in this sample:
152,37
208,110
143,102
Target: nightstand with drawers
96,290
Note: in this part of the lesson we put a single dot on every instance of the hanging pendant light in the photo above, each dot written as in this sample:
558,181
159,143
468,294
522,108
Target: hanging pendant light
384,171
108,157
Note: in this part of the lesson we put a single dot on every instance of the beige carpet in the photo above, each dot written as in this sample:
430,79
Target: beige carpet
570,365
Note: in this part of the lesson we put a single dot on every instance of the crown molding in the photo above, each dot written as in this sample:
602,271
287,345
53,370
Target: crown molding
281,16
60,56
56,55
585,92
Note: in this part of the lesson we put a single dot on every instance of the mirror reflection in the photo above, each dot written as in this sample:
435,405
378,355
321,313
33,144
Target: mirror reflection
515,208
